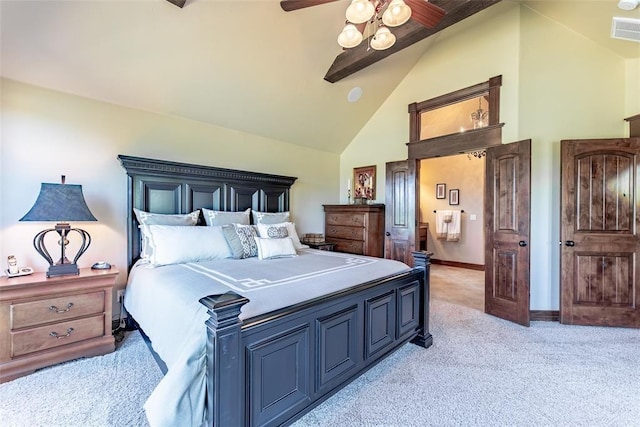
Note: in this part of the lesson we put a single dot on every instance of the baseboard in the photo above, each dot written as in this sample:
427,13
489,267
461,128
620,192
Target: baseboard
544,315
479,267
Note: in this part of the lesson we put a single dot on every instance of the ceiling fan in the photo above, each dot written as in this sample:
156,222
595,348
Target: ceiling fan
379,14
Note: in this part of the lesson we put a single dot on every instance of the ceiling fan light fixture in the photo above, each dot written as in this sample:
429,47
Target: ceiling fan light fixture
360,11
397,13
382,39
349,37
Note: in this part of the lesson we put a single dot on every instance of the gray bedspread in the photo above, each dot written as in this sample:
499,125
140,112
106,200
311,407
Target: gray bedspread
165,302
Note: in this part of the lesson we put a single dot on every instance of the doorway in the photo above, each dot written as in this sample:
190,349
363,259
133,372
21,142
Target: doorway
454,183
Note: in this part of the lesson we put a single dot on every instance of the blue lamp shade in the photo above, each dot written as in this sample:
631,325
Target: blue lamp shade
60,203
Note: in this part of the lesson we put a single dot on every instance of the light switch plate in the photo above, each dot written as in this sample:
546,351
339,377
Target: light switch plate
472,217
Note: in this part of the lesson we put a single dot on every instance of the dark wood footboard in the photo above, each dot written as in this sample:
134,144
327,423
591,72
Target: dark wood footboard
272,369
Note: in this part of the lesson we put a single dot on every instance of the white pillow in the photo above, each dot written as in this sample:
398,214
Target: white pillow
269,217
291,228
275,248
225,218
149,218
180,244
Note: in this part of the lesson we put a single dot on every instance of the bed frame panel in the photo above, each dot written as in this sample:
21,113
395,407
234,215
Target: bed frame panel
271,369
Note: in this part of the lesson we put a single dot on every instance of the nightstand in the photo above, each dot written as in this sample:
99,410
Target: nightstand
44,321
323,246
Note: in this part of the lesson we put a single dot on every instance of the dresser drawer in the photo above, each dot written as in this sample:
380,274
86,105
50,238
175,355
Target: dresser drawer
348,219
56,309
349,246
341,232
45,337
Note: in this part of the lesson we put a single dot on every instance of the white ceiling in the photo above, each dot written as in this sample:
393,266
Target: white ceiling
240,64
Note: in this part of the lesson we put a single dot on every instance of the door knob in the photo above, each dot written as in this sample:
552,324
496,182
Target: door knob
570,243
522,243
387,234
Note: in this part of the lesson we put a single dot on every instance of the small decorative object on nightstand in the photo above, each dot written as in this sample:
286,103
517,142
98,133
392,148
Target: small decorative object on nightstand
323,246
44,321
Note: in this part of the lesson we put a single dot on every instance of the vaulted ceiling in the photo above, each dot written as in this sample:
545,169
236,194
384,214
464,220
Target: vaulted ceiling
244,65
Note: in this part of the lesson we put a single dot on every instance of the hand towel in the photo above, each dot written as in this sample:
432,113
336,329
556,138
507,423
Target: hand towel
441,224
453,227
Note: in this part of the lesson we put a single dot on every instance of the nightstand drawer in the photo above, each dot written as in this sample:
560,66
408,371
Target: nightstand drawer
350,219
50,336
340,232
33,313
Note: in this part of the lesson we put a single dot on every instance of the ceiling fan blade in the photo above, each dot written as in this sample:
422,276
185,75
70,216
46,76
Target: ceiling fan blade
178,3
427,14
289,5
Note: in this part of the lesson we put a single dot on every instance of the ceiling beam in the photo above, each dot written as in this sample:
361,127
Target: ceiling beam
179,3
353,60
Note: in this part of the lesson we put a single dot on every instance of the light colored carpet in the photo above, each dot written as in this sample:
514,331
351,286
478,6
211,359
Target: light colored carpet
480,371
105,390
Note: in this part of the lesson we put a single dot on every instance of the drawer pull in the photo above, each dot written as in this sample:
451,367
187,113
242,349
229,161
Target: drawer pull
56,336
57,310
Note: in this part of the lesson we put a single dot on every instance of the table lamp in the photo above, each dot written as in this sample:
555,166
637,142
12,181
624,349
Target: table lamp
60,203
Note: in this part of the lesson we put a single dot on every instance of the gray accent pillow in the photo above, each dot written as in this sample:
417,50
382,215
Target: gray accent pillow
241,240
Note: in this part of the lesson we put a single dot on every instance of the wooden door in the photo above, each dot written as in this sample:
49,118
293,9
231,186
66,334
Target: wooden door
507,218
400,211
599,282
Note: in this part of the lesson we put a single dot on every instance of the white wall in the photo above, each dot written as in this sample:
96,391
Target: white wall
556,85
46,134
632,83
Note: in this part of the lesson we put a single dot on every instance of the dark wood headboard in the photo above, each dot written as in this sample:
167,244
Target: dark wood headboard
166,187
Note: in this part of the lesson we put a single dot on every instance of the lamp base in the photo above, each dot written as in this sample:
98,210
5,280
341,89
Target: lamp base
62,270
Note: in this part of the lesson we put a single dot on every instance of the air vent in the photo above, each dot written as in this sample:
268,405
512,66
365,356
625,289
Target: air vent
626,29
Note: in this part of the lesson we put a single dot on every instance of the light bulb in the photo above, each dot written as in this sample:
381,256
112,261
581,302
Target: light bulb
349,37
383,39
360,11
397,13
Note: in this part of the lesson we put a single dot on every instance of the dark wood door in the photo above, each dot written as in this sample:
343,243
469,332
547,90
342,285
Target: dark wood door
599,282
400,213
507,218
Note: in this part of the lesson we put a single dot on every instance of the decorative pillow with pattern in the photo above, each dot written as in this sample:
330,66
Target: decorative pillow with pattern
241,240
273,231
291,231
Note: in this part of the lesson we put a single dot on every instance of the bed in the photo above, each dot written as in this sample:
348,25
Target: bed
268,363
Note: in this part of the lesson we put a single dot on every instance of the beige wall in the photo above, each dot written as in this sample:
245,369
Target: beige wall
45,134
632,101
556,85
467,175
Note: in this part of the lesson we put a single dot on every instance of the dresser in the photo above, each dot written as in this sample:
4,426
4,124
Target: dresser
44,321
356,229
